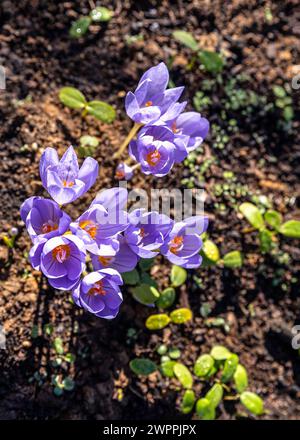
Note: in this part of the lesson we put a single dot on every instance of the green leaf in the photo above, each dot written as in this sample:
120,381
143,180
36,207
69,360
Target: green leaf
157,322
101,110
58,391
265,240
212,61
290,229
68,384
288,113
240,378
273,218
58,346
146,263
145,294
205,410
233,259
187,39
253,215
230,367
89,141
48,329
203,365
167,298
280,103
34,332
80,27
183,375
70,357
72,97
147,279
252,402
131,278
210,253
205,310
162,349
142,366
214,395
180,316
220,353
167,368
279,91
188,401
174,353
101,14
178,276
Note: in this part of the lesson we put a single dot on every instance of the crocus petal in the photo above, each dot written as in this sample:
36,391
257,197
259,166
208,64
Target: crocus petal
88,172
171,96
48,159
35,253
70,162
131,105
159,76
26,207
113,198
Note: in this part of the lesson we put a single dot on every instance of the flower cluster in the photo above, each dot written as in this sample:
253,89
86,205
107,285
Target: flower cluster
168,135
104,238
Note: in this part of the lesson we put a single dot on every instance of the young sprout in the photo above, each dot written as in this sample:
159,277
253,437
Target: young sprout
97,15
74,99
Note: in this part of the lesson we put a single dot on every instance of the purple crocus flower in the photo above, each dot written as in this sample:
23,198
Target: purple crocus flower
99,293
183,244
190,128
151,99
125,260
146,232
63,179
156,150
123,172
61,259
44,218
98,231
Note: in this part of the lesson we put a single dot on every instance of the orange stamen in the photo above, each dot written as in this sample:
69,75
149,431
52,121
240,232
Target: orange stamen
97,289
89,227
120,174
67,184
47,227
105,260
174,128
148,104
61,253
175,244
153,157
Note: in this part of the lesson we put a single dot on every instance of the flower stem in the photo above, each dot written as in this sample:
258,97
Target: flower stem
136,166
130,136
